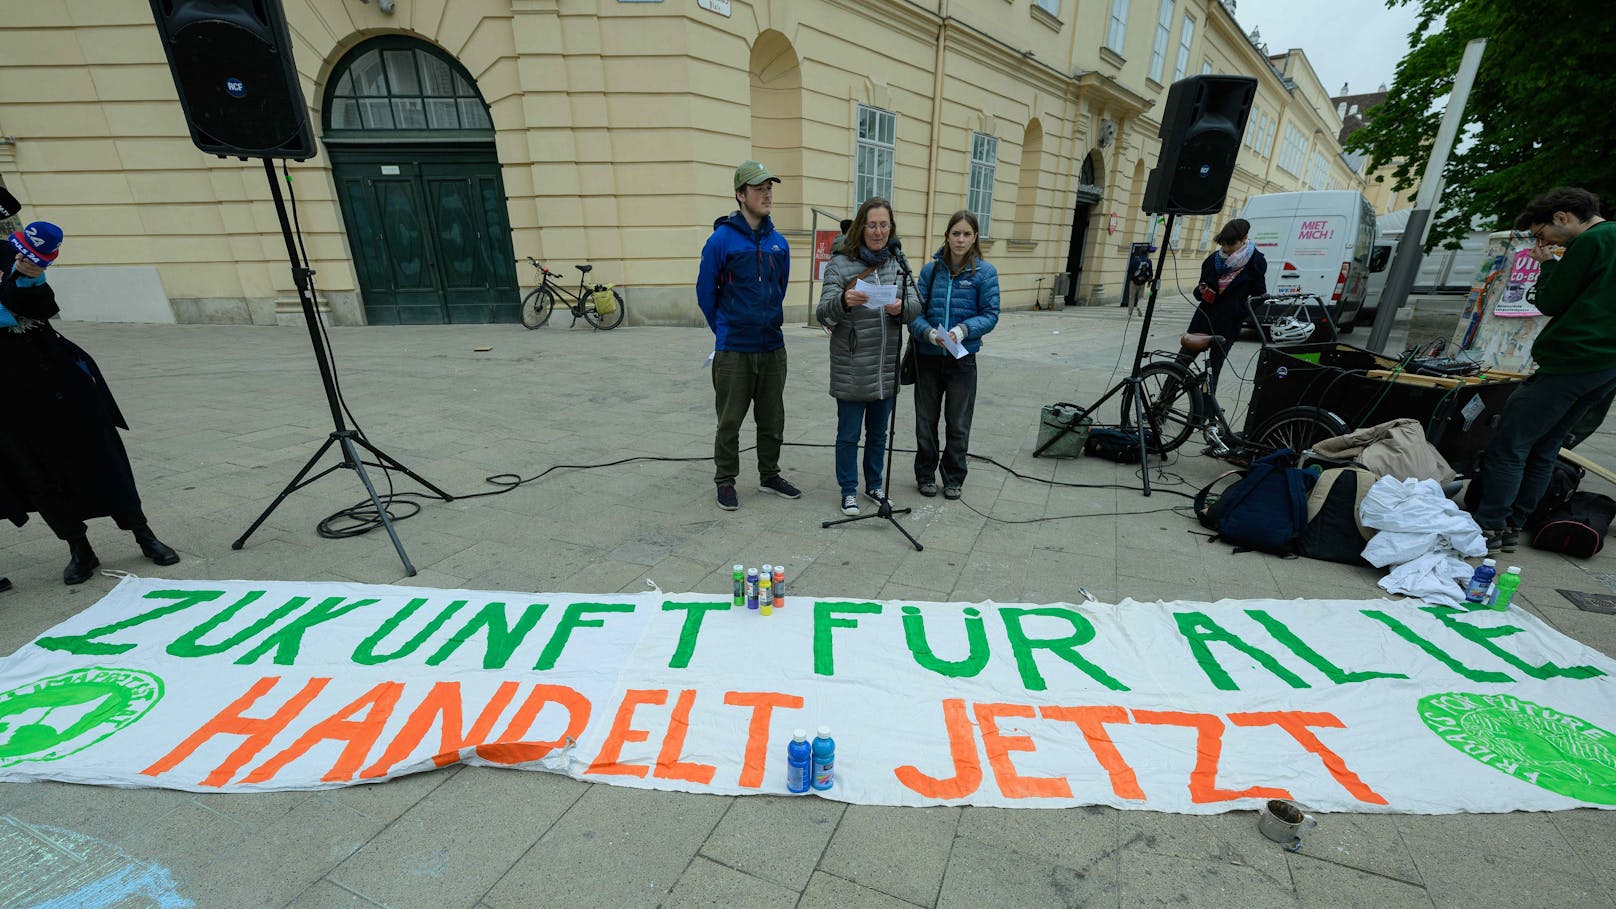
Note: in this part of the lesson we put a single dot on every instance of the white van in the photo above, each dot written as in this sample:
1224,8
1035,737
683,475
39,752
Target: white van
1316,242
1442,271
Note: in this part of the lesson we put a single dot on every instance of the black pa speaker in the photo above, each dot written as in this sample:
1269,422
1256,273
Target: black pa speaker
232,66
1201,129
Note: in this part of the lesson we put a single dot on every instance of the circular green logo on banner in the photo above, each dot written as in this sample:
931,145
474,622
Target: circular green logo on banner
62,714
1562,753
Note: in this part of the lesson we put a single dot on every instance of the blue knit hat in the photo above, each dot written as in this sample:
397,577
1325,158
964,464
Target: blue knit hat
40,242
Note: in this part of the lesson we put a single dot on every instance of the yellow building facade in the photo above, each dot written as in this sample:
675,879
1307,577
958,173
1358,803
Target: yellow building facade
455,137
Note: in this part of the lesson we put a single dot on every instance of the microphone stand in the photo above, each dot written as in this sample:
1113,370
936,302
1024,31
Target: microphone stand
884,508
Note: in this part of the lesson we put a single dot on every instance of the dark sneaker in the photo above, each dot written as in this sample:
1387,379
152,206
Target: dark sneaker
875,494
951,492
1495,541
850,505
1509,539
726,497
778,485
927,488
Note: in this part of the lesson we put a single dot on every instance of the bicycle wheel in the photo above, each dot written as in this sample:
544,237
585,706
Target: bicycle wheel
1175,403
537,306
1299,428
606,322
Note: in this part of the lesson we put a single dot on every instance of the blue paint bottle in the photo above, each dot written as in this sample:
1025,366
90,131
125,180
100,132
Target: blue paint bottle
1481,582
824,763
799,761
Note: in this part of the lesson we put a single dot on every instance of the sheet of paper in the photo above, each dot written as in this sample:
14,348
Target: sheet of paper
881,295
952,346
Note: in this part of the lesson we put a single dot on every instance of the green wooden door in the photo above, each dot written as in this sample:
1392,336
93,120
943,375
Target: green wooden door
430,235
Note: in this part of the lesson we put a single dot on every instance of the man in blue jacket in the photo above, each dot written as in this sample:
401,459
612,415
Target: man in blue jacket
742,290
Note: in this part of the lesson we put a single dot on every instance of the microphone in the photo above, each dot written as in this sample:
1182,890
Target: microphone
896,245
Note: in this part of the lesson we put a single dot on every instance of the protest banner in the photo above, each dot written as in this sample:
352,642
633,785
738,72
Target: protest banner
232,686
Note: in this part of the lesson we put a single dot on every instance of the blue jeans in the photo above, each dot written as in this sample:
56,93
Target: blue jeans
873,417
1520,458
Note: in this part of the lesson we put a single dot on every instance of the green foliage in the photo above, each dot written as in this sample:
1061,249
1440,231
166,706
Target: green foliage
1542,112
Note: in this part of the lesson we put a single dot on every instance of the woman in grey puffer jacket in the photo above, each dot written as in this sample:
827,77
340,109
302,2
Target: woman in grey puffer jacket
865,345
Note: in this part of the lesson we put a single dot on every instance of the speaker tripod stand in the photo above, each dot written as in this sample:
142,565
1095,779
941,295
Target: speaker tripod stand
348,441
1134,387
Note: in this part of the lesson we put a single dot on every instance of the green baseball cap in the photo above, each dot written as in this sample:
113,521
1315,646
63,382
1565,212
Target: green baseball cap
751,173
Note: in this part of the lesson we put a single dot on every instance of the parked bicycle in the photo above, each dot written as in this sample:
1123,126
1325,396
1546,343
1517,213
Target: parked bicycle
1180,401
600,305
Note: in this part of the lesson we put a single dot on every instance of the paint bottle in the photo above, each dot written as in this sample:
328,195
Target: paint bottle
824,765
799,762
766,592
738,575
1508,583
1476,590
779,587
751,588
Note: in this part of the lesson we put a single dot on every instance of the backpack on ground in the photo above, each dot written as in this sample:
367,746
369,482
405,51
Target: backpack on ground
1111,444
1577,527
1266,508
1563,483
1335,531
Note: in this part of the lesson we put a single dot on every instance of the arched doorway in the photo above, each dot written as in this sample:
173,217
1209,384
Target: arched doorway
412,154
1088,195
776,79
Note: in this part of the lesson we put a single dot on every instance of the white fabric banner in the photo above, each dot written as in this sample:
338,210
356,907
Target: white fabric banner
1190,707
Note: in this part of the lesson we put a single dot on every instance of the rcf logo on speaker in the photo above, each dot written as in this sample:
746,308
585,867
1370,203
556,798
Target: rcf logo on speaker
235,87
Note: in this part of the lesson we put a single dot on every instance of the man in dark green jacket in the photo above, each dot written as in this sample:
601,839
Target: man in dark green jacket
1575,354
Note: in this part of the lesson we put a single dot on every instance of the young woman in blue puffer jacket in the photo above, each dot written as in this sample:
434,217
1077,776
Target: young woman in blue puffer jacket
960,295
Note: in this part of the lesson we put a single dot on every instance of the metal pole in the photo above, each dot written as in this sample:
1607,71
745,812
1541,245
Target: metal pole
1406,263
813,301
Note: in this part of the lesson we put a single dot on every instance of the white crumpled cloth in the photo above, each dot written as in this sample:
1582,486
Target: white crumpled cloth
1423,534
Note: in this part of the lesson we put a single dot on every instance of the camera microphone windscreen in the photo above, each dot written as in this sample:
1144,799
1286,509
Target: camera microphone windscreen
9,206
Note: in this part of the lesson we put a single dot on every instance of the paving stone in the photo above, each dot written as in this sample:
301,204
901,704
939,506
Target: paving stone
982,875
901,852
827,891
308,842
709,884
1083,839
642,839
1149,879
454,844
774,838
326,895
1324,884
1519,859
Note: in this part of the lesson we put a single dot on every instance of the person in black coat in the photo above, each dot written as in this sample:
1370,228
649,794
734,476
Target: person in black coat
1233,273
60,454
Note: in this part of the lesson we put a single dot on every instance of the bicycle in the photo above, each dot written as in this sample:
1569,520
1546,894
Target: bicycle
1180,402
541,300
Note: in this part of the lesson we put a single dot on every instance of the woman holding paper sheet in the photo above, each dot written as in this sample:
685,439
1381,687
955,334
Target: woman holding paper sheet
961,294
865,343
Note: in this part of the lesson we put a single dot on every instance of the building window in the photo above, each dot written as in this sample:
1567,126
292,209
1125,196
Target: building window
1116,34
1206,233
1164,34
984,159
1051,7
1269,125
399,88
1318,171
1185,36
877,136
1293,153
1206,67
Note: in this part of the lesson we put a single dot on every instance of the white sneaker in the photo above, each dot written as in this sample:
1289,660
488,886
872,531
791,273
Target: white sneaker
850,505
875,494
